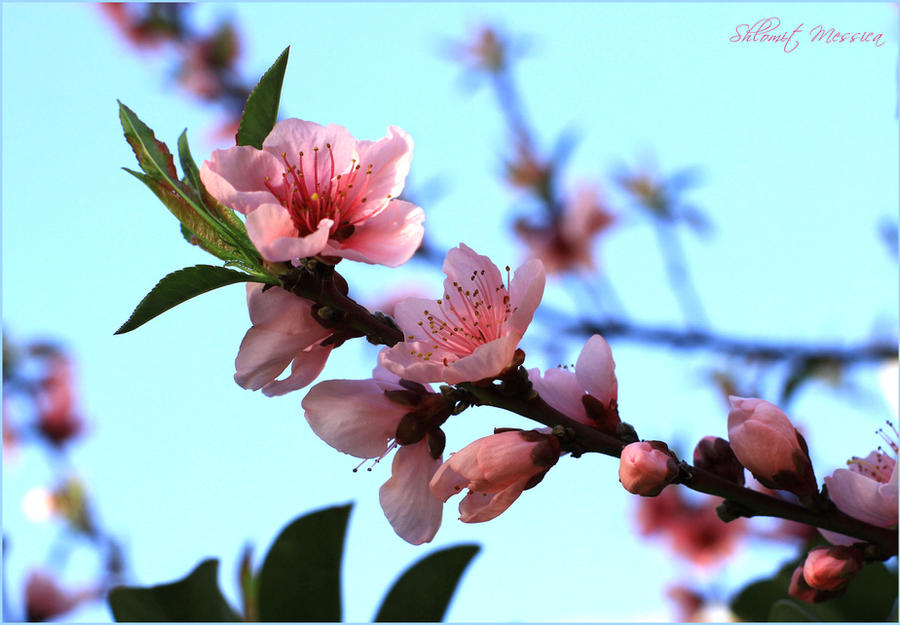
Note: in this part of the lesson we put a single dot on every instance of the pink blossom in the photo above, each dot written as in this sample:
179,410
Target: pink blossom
566,244
472,332
357,417
694,530
588,395
58,420
495,469
316,190
766,442
829,568
646,468
45,599
284,333
866,491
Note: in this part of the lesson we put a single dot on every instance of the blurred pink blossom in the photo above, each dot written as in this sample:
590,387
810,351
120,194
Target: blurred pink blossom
567,243
316,190
45,599
495,469
58,419
472,332
284,333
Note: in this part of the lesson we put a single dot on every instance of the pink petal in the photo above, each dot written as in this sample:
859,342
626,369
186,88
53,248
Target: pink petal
292,136
596,369
525,291
273,233
486,361
455,474
353,416
390,158
280,311
399,361
264,354
480,507
562,390
236,177
410,506
305,368
462,262
858,496
389,238
409,313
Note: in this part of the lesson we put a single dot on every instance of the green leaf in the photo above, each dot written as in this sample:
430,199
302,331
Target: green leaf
261,111
196,598
300,579
787,611
189,218
180,286
152,155
188,166
425,589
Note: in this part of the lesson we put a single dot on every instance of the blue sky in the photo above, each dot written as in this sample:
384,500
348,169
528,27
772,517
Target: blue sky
800,159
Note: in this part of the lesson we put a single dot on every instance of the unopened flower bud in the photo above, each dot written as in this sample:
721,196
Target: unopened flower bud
799,589
647,467
830,568
766,442
716,456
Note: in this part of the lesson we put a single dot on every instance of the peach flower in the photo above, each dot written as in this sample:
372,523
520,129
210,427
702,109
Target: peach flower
316,190
472,332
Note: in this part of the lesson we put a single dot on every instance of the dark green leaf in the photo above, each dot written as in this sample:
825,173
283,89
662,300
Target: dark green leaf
787,611
196,598
261,110
180,286
424,591
300,578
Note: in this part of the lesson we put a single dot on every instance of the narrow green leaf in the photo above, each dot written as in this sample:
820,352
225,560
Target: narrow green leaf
188,166
195,598
261,111
300,579
425,589
180,286
189,218
787,611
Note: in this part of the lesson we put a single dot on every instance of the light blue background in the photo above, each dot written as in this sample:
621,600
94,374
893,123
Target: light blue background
799,153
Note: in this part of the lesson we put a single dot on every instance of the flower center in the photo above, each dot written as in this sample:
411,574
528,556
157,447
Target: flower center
309,200
881,467
466,318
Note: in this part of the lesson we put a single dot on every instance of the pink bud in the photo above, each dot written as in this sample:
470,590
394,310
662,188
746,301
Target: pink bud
766,442
799,589
647,467
830,568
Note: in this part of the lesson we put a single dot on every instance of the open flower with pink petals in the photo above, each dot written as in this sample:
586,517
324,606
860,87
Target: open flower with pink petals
284,333
588,395
472,332
495,469
365,418
316,190
867,490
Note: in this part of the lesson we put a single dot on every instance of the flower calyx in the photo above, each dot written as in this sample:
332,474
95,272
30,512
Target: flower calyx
429,412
